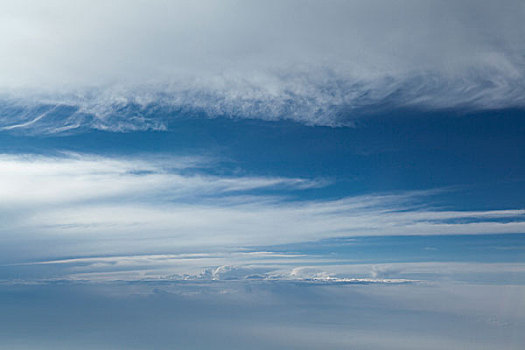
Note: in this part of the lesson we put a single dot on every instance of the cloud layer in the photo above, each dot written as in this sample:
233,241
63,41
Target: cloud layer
101,205
261,316
317,62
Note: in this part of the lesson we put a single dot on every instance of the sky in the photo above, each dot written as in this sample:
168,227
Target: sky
275,175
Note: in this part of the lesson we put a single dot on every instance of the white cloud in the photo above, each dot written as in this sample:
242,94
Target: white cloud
311,61
68,178
237,266
126,206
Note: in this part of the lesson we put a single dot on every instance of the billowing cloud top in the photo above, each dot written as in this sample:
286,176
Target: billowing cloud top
318,62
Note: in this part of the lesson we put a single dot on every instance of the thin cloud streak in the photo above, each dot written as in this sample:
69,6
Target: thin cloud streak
31,179
238,266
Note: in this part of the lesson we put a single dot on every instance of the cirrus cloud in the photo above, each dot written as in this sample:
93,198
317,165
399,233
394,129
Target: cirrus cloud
101,205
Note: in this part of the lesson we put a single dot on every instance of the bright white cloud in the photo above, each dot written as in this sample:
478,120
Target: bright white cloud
110,205
36,180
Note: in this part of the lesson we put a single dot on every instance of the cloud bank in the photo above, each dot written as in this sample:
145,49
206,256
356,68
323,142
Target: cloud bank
262,316
316,62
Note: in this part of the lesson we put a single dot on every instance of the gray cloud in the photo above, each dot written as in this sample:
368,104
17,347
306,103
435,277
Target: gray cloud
311,61
228,315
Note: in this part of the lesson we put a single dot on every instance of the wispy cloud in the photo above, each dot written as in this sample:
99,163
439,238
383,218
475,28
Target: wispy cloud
31,179
279,267
107,205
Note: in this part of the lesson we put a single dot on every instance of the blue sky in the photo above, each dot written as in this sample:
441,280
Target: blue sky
425,186
279,174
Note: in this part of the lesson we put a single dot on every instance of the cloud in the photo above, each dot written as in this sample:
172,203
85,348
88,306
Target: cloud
316,62
255,315
102,205
70,178
234,265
